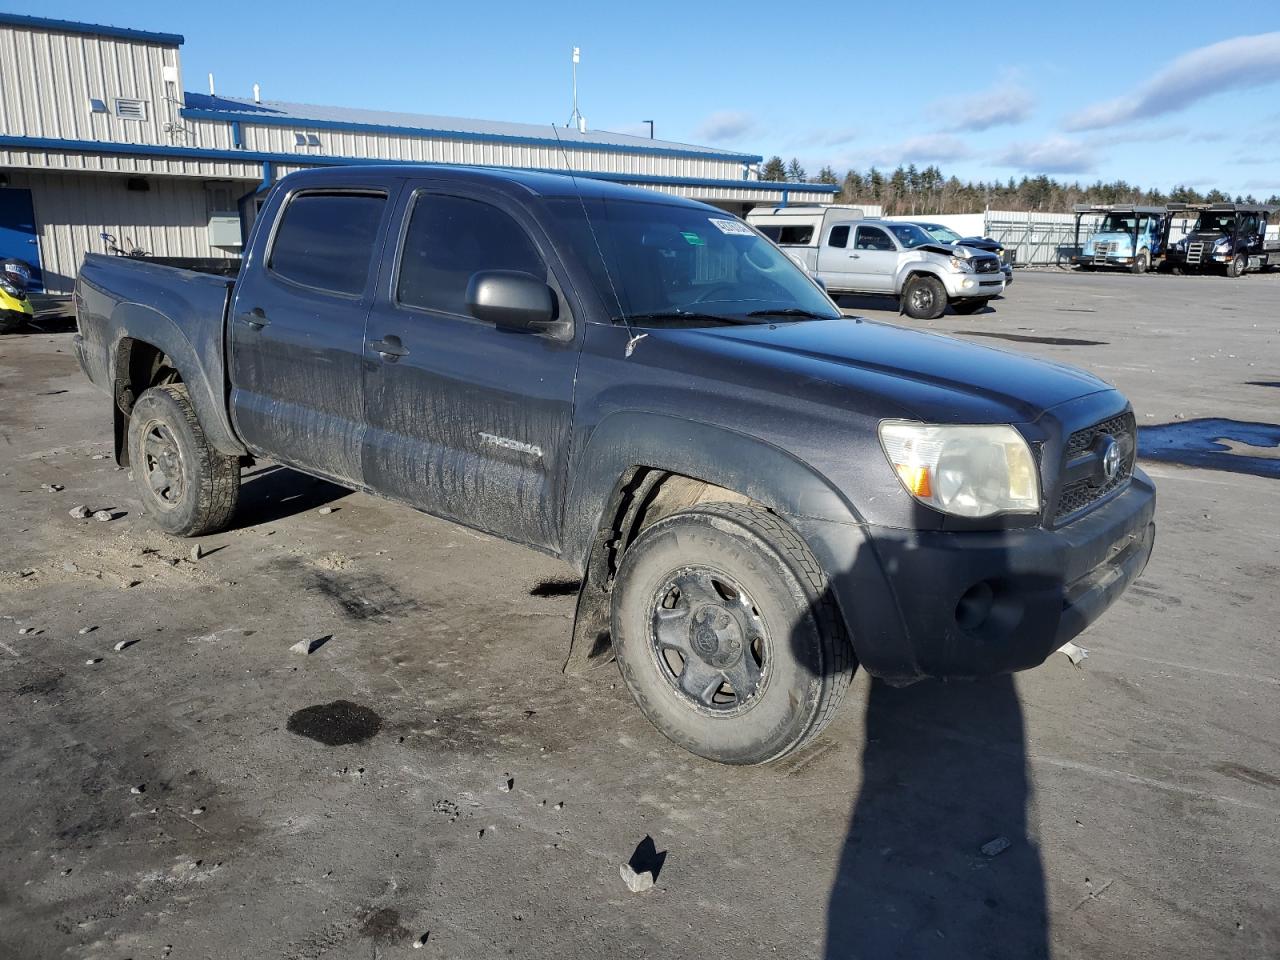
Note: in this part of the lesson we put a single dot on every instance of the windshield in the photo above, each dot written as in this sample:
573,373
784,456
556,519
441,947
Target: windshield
940,233
909,235
1217,222
659,263
1117,223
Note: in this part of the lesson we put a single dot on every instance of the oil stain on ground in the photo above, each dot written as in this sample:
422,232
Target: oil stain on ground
556,588
1023,338
383,925
335,724
1213,443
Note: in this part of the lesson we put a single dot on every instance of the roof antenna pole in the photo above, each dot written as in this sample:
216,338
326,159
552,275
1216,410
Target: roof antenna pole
576,119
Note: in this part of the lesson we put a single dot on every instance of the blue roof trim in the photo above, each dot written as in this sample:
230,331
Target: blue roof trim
90,29
253,156
285,120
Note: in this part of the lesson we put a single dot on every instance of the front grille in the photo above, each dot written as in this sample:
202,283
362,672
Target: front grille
1196,251
1080,494
1101,250
987,265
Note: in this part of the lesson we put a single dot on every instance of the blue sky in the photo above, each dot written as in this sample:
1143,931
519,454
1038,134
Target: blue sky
1175,92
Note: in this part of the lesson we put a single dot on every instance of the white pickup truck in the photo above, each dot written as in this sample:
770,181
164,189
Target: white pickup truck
851,253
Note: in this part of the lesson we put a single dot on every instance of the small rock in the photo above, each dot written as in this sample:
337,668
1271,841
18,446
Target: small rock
140,788
560,805
1076,653
196,811
480,834
126,584
636,882
123,644
51,487
92,660
325,511
507,784
98,456
103,516
70,567
196,553
305,647
422,941
23,631
66,872
80,512
993,848
84,630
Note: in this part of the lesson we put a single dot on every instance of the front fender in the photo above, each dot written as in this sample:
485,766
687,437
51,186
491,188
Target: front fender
716,454
911,267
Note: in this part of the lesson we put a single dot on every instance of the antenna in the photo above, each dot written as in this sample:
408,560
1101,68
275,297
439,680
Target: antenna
576,119
257,93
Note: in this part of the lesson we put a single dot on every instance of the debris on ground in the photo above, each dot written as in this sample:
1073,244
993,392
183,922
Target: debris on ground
325,511
23,631
98,456
80,512
507,784
641,871
92,660
422,941
993,848
636,882
103,516
51,487
139,788
1075,652
196,811
305,647
84,630
196,553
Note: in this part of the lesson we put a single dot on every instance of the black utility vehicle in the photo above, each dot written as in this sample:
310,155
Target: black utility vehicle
760,493
1230,238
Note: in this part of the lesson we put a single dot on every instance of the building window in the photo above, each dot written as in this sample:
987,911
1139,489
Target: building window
131,109
306,140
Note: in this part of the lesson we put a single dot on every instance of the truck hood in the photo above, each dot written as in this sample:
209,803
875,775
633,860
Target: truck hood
922,375
1117,237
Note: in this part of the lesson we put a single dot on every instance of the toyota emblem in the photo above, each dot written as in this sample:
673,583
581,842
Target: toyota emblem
1112,459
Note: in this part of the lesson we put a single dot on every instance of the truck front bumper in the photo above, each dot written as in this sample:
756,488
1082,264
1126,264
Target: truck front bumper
964,285
963,604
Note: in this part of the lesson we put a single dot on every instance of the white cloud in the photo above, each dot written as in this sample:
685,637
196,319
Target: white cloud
1004,104
1050,155
1236,64
726,125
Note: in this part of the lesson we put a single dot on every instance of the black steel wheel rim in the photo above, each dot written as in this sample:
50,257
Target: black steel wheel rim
162,464
708,640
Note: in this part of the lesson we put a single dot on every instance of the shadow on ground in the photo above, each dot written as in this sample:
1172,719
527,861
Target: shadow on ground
274,492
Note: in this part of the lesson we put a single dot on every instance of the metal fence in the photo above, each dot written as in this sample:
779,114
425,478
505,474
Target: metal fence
1049,239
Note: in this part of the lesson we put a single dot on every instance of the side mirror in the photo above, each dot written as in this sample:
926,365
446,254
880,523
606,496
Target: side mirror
511,299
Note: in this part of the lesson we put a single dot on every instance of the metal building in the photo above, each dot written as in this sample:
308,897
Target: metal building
98,135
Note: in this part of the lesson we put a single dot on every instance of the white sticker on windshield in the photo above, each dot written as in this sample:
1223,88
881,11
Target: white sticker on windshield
734,228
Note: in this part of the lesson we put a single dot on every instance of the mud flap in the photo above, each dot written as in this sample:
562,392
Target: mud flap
590,647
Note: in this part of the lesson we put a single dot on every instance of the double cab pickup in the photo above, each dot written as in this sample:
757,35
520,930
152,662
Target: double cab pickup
761,494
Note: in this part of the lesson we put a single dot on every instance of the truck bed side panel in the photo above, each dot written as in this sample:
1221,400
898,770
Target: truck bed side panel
121,301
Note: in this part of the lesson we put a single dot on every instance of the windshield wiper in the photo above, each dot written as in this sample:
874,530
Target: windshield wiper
791,312
677,315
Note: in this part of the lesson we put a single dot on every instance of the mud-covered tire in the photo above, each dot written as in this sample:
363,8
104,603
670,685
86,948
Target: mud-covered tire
970,305
1142,262
924,298
805,660
186,486
1238,266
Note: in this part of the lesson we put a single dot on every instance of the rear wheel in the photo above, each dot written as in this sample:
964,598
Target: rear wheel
971,305
726,636
1239,264
924,298
187,486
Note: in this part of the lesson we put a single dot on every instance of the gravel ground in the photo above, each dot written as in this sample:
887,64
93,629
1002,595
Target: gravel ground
178,782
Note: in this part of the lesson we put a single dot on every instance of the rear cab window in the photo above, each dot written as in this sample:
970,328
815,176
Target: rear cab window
326,240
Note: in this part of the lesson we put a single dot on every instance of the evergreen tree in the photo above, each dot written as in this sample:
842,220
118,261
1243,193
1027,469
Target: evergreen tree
827,175
795,172
773,169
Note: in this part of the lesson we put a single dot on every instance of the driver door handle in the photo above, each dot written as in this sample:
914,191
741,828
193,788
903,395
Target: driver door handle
389,348
855,256
255,318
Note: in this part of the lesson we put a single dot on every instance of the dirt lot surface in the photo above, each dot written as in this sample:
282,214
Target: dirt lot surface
175,782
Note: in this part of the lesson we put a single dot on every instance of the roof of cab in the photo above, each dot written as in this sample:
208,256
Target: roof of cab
537,183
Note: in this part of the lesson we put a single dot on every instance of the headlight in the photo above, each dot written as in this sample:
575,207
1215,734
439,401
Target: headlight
1221,243
960,265
968,471
10,289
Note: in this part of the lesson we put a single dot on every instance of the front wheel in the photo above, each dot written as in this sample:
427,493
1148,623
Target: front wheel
726,635
924,298
1239,264
970,305
1142,262
185,484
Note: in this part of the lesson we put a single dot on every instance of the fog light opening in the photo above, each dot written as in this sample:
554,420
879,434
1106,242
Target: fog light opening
974,606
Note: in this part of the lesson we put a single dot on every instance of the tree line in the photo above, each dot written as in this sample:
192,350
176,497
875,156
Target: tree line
910,190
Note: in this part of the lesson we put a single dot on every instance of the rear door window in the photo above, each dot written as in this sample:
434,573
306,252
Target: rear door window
449,240
839,236
326,241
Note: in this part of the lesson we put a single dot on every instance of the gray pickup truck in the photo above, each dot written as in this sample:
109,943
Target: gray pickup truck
761,494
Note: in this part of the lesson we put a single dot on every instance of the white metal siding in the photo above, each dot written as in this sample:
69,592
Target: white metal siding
47,80
171,219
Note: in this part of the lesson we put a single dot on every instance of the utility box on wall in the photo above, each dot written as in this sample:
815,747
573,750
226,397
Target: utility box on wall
224,230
